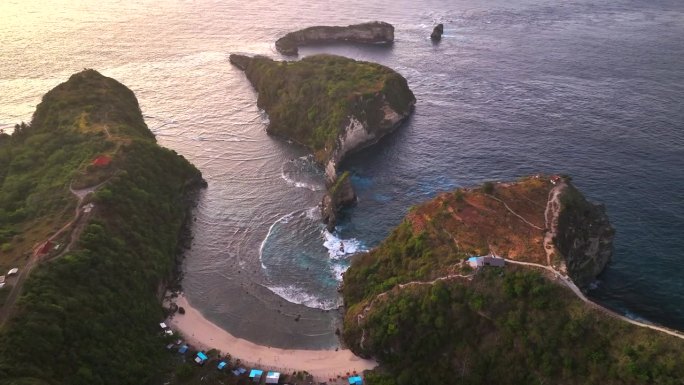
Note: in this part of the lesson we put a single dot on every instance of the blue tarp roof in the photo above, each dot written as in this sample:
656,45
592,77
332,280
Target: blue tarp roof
355,380
183,349
255,373
202,356
221,365
472,259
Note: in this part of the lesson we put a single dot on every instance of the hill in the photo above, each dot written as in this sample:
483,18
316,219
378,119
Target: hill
417,306
330,104
93,209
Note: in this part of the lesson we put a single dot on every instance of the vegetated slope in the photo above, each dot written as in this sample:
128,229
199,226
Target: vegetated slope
414,305
90,316
332,105
313,100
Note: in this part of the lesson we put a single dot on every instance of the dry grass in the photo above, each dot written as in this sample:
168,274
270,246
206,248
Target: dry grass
480,224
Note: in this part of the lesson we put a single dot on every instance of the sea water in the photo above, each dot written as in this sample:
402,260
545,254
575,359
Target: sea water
593,89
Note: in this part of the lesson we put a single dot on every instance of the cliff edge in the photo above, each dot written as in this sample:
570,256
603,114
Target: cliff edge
376,32
418,303
330,104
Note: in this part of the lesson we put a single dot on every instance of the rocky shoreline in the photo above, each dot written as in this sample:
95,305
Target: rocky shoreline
376,32
301,106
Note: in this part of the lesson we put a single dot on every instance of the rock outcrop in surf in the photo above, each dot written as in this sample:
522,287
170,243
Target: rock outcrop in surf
376,32
437,32
332,105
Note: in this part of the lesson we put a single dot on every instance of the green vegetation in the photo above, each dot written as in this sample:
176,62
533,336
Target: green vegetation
336,188
91,316
311,100
507,325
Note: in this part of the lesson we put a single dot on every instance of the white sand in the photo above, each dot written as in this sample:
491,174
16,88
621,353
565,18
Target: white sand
322,364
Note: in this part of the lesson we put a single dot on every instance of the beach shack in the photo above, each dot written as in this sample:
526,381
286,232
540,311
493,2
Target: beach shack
183,349
272,377
256,374
487,260
355,380
221,365
201,358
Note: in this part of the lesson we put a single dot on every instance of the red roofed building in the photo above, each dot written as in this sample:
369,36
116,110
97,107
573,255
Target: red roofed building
45,248
102,160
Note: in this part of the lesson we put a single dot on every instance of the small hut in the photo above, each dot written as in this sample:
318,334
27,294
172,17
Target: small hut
201,358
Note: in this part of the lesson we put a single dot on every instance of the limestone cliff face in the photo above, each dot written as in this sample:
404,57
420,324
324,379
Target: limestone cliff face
356,135
363,131
339,194
376,32
332,105
584,237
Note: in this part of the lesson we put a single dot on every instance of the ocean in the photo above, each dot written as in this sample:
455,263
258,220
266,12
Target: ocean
593,89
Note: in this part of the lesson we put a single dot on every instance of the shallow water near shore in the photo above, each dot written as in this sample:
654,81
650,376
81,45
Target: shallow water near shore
591,89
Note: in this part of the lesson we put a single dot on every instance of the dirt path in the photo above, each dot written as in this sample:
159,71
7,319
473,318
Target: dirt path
553,207
78,224
367,308
568,282
514,213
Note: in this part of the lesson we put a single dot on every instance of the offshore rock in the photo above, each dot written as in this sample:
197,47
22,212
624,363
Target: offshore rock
375,32
437,32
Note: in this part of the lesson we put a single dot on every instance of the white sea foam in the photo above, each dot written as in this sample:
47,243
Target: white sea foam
338,270
284,219
291,181
297,295
314,213
339,248
304,165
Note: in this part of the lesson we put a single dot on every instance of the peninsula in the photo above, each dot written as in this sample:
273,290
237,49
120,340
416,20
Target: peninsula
91,209
426,302
332,105
376,32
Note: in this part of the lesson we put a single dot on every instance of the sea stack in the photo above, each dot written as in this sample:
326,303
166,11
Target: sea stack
437,32
376,32
333,106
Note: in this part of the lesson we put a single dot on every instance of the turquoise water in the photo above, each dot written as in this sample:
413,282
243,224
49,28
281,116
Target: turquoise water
589,88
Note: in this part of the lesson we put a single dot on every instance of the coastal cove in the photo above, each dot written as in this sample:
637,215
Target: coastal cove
511,90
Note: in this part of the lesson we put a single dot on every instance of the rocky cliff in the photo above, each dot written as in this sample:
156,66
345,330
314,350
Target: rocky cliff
540,220
416,306
376,32
330,104
584,236
437,32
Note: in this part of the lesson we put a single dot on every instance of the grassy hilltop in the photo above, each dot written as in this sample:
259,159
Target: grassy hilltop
310,101
89,311
413,304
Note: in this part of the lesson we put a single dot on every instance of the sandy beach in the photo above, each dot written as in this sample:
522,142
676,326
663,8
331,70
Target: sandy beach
322,364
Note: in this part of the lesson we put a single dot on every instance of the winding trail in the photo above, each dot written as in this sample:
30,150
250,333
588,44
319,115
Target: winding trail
514,213
551,213
571,285
77,222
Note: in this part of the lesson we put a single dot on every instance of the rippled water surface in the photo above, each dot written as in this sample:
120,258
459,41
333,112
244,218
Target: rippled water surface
589,88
